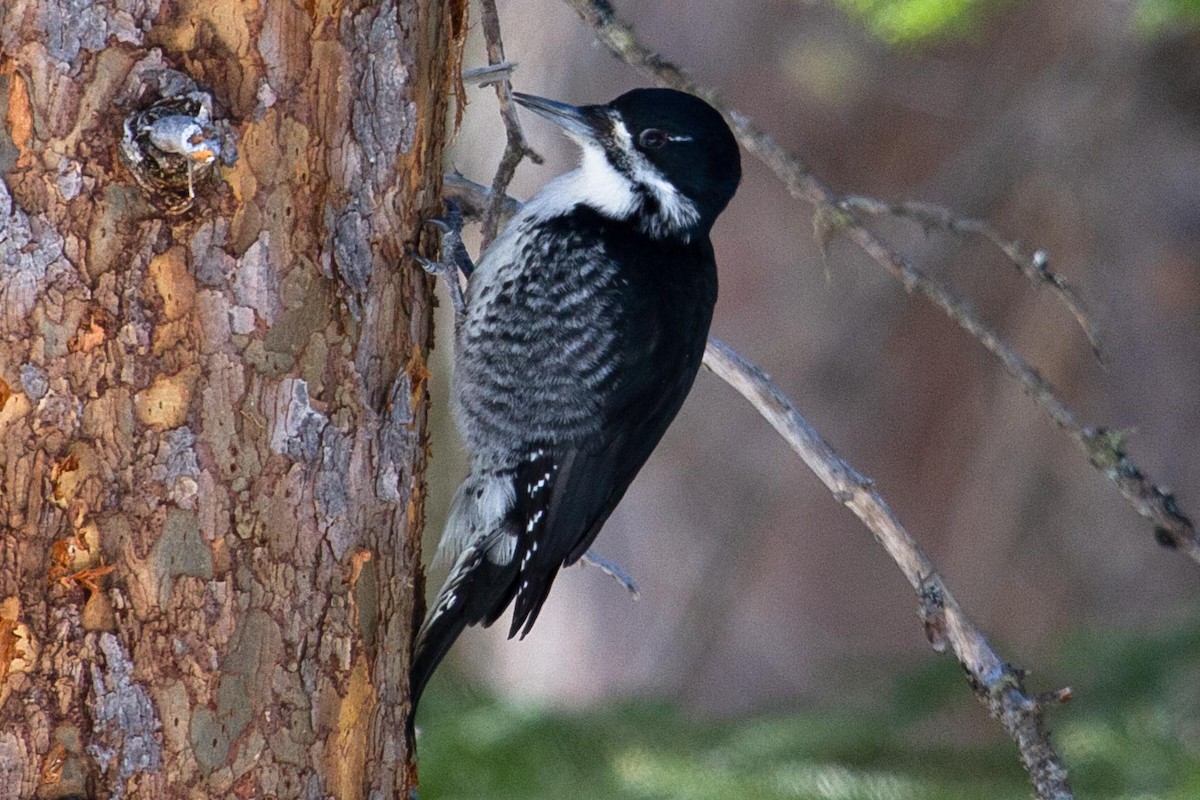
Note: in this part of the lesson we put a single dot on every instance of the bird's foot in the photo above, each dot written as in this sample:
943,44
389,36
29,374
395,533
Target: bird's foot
456,264
612,570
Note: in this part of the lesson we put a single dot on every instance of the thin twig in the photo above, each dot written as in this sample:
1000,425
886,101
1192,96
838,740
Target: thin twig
613,570
1035,266
490,74
516,147
1172,528
995,682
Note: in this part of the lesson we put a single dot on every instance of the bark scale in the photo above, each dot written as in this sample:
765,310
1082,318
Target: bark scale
212,424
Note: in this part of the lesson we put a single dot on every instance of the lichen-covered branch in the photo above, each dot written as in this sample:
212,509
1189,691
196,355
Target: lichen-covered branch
1172,528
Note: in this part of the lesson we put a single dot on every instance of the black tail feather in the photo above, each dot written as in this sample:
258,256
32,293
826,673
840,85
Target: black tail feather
531,597
430,651
473,604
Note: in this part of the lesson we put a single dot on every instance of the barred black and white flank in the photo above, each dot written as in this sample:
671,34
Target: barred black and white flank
585,326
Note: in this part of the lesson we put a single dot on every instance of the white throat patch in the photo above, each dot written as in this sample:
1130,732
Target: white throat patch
600,185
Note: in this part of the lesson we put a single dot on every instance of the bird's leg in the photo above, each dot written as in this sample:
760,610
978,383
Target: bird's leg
453,249
612,570
456,261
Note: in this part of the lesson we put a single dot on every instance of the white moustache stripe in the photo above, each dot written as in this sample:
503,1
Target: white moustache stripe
615,194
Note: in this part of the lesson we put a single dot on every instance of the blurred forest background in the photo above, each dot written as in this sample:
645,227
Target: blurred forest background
1072,125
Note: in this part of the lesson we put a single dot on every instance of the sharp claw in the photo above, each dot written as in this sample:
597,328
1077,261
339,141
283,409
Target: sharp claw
456,261
438,269
451,221
448,272
454,252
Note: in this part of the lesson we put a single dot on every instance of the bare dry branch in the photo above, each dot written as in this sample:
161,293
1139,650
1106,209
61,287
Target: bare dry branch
490,74
1172,528
475,199
996,683
1035,265
516,147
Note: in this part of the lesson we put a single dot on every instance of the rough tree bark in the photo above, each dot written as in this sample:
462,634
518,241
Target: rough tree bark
212,420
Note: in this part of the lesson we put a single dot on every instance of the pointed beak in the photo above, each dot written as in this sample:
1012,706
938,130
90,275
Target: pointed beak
585,122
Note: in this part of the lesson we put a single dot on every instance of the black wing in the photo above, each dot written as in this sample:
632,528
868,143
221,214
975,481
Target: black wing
567,492
652,323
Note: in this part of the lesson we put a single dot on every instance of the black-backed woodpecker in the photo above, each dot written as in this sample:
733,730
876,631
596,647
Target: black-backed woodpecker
583,330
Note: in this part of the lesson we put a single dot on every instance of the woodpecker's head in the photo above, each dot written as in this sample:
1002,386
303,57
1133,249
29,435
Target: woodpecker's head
663,157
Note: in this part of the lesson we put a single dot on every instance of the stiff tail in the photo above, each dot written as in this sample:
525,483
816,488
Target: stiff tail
531,595
479,584
444,621
478,593
429,652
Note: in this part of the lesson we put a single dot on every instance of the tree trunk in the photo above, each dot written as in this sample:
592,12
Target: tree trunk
212,391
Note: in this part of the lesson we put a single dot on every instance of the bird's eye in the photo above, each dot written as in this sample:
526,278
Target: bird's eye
653,138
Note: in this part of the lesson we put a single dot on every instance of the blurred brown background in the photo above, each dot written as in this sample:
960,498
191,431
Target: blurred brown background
1064,124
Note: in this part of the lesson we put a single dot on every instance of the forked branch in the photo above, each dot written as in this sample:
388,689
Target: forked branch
997,684
1034,265
836,214
516,147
